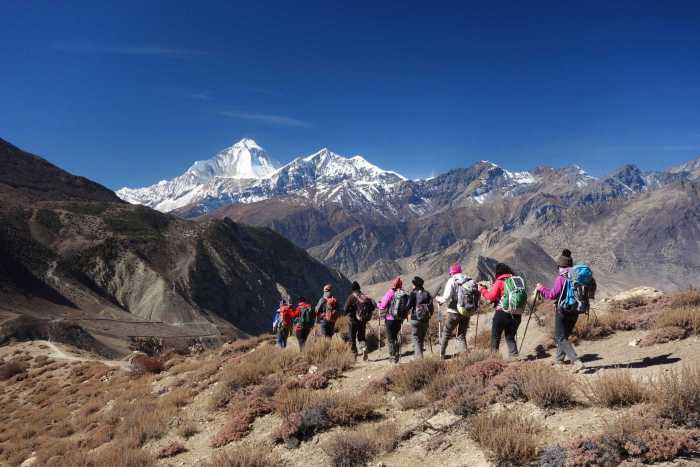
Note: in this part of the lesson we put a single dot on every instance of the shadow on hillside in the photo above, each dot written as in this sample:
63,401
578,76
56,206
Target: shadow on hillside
646,362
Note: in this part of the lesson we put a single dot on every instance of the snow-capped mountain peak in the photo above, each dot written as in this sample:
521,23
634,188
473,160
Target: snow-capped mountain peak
245,159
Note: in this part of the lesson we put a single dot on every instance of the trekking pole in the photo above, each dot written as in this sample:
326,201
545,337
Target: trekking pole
476,327
529,317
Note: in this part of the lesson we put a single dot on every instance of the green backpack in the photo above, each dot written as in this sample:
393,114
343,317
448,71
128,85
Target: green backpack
306,317
514,297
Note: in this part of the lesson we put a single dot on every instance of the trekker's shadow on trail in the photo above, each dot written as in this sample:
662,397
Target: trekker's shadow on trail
646,362
590,357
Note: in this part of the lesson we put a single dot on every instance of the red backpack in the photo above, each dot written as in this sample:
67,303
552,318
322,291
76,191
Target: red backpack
330,312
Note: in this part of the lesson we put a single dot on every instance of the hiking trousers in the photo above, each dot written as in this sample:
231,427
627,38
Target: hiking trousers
282,335
457,322
327,328
419,329
564,324
393,328
357,334
301,335
505,323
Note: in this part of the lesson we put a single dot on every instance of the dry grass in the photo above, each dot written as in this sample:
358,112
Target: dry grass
358,447
632,439
12,368
677,395
144,364
616,389
172,450
187,429
329,354
687,298
246,456
482,340
413,401
541,384
662,336
305,412
511,438
686,317
413,376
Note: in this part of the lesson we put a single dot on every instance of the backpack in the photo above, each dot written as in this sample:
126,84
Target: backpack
579,289
365,307
399,305
468,296
514,299
330,311
422,310
305,318
276,321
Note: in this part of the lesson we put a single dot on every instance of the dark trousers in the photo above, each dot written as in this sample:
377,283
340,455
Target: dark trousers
302,334
393,328
357,334
327,328
418,331
454,321
282,335
505,323
564,324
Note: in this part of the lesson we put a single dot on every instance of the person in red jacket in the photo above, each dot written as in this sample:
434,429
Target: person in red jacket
503,321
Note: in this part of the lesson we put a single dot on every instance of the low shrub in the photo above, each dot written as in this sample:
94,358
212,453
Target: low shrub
687,298
329,354
677,394
662,336
187,429
305,412
510,437
144,364
350,449
242,415
171,450
246,456
541,384
413,401
685,317
414,375
616,389
11,368
360,446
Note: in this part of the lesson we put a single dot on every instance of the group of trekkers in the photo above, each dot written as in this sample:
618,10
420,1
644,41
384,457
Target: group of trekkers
573,287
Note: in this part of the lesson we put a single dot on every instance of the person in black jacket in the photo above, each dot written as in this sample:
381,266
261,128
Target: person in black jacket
352,310
420,309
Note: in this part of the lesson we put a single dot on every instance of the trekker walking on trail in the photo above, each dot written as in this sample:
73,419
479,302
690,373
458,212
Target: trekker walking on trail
359,309
455,320
420,307
564,322
392,308
283,323
303,321
504,321
327,311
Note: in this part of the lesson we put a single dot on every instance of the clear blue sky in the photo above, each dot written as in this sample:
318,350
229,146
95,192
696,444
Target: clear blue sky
128,93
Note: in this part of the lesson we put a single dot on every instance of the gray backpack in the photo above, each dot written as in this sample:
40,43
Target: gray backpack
467,296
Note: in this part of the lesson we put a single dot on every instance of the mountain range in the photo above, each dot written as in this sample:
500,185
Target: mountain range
635,227
78,261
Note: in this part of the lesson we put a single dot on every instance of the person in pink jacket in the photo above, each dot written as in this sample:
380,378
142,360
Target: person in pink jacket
393,306
564,323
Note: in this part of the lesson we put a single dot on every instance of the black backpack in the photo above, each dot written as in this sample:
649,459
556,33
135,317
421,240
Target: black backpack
365,307
422,310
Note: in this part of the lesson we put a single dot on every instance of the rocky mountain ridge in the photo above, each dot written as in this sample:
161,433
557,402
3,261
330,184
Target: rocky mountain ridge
74,251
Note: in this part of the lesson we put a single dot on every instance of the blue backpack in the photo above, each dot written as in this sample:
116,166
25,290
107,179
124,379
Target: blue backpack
579,289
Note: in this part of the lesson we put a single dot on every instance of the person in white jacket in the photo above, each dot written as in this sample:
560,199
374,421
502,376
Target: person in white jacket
454,320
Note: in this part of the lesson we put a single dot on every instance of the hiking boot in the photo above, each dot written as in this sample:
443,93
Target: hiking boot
365,355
